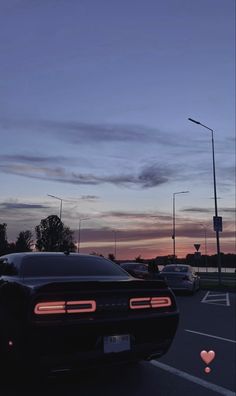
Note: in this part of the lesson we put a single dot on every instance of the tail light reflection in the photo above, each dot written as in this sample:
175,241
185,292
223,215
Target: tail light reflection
52,307
62,307
80,306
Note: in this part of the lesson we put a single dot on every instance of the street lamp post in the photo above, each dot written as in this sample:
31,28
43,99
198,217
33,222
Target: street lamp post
115,243
205,237
79,232
60,199
173,234
216,227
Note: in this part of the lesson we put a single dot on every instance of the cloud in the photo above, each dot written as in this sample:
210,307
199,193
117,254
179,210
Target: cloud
189,232
76,132
16,205
89,197
228,210
106,234
209,210
149,176
197,210
34,159
137,215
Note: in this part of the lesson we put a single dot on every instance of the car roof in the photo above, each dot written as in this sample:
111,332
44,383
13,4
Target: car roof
177,265
33,254
132,262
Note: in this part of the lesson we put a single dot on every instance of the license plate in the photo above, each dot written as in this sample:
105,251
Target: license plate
116,343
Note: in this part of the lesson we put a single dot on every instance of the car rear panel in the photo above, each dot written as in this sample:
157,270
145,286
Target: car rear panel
79,337
177,280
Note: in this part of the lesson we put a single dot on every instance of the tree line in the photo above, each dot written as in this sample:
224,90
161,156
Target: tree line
51,235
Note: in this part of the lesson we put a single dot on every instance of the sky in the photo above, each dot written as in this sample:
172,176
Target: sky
95,97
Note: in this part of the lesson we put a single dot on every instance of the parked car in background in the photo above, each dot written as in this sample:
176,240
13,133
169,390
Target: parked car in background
180,277
66,310
138,270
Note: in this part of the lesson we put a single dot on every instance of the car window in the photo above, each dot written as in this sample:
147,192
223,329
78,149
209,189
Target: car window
129,266
69,266
175,268
142,267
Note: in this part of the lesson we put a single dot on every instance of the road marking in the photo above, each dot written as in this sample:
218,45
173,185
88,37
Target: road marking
222,297
213,301
227,298
212,336
196,380
205,297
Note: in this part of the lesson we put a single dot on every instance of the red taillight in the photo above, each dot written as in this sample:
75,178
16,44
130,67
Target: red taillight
80,306
149,302
158,302
62,307
139,303
52,307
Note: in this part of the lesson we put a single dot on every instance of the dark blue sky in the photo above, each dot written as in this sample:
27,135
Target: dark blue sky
94,102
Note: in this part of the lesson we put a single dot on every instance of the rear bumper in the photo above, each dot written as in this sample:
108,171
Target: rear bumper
188,286
96,358
69,346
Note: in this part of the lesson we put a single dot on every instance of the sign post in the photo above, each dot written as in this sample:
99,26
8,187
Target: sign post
197,253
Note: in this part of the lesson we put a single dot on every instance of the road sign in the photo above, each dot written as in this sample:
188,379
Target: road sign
197,246
217,223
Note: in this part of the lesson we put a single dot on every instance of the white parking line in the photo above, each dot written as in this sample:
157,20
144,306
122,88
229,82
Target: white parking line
221,298
205,297
196,380
227,297
212,336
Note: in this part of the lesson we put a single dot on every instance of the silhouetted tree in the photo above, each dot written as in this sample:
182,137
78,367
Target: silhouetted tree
11,247
53,236
111,257
24,242
3,239
139,259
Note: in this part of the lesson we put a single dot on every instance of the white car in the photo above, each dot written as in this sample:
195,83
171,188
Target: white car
181,277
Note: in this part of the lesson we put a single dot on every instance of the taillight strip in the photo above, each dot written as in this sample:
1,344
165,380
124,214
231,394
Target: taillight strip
139,303
62,307
80,306
158,302
149,302
52,307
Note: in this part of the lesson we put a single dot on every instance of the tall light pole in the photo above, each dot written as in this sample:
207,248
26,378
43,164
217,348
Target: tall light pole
173,234
114,243
60,199
79,232
217,220
205,237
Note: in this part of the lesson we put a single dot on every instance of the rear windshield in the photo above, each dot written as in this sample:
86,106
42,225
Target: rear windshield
129,266
52,266
174,268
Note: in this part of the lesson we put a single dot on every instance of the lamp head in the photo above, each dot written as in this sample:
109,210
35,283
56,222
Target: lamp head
196,122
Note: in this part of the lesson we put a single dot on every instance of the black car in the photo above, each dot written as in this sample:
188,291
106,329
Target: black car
60,310
138,270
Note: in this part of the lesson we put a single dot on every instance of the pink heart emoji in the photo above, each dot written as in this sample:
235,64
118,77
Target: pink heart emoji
207,357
